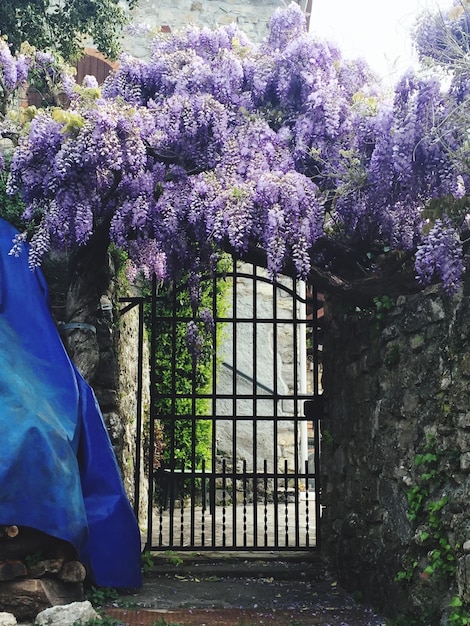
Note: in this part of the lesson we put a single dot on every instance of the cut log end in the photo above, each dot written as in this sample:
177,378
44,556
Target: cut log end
9,531
72,572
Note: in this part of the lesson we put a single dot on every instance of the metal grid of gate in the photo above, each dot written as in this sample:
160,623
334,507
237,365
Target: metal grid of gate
256,486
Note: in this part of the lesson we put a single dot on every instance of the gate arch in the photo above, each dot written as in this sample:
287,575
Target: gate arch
259,486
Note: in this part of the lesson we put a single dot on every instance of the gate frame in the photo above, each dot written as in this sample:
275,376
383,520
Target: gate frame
314,408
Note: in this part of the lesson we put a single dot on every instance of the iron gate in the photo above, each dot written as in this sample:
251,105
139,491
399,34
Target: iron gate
239,410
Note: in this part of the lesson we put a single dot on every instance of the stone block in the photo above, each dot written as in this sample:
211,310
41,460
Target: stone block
67,615
26,598
463,577
465,462
463,421
72,572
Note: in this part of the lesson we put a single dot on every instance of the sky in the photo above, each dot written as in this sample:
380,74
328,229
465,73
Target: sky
375,29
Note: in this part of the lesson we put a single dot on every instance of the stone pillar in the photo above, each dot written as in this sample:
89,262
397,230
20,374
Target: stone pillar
398,390
104,347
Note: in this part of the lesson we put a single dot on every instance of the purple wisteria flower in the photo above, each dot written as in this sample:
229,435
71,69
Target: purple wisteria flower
23,65
208,320
69,86
216,142
90,82
285,26
194,339
44,58
8,67
440,256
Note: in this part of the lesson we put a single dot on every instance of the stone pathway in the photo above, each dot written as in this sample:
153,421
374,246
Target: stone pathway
252,590
289,525
255,525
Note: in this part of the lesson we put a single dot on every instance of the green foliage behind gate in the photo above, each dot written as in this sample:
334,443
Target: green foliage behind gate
181,374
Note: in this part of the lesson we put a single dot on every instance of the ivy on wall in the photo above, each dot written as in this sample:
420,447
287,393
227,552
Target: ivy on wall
434,559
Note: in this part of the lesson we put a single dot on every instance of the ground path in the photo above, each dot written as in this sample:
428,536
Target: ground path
246,590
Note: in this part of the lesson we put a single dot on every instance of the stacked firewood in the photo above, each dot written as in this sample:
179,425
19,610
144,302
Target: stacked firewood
37,571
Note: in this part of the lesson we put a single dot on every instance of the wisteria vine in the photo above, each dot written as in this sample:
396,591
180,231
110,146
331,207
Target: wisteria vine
217,143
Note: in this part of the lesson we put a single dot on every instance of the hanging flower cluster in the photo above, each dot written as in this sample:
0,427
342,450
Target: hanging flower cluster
439,256
13,70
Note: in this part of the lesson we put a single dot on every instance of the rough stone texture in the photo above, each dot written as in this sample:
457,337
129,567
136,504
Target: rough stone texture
26,598
127,345
67,615
7,619
282,382
391,383
105,351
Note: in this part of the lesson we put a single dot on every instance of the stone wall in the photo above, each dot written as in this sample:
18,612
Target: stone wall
273,342
127,353
397,440
104,345
252,17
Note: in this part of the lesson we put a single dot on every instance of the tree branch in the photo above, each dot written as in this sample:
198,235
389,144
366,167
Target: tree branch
393,279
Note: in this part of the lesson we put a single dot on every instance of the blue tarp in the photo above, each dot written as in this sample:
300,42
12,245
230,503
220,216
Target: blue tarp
58,472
